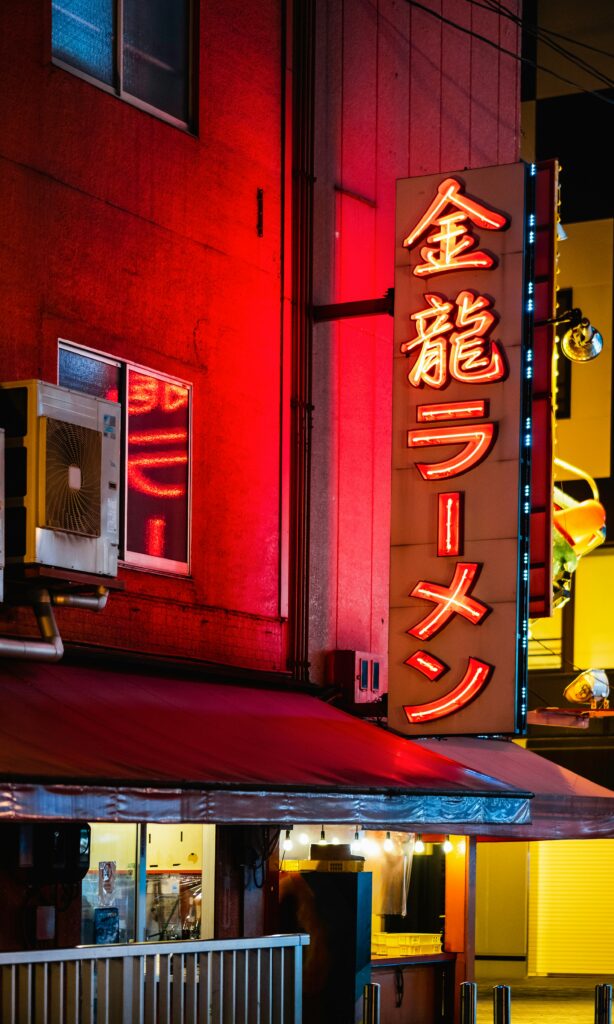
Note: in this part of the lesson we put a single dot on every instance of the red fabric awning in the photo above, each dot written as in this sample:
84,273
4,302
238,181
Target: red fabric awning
84,742
565,805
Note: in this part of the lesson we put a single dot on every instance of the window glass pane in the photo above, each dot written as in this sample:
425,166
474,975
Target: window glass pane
108,889
85,373
174,882
82,35
155,48
158,422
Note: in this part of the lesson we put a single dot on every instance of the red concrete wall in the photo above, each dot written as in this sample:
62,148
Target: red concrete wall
401,92
123,233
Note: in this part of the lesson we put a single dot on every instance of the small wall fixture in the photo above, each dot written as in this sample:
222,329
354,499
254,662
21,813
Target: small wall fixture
580,341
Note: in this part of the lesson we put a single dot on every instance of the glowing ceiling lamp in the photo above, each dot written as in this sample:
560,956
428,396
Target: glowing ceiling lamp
287,843
419,845
590,687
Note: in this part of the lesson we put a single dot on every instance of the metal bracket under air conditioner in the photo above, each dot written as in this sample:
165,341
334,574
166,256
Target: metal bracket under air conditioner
42,599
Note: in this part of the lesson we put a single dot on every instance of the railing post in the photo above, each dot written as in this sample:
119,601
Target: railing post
501,1001
468,1002
603,1004
370,1004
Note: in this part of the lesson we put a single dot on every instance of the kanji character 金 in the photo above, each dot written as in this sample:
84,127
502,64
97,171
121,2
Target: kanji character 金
452,246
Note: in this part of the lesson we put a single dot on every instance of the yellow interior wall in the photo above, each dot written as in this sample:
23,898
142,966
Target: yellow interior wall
593,633
113,842
571,907
585,263
501,905
174,847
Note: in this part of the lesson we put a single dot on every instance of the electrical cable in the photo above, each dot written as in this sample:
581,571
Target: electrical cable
508,53
541,35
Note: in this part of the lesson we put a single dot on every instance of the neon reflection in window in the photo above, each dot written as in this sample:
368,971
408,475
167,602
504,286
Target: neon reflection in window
158,423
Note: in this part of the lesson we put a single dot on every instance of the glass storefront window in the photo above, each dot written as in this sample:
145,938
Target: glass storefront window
174,886
109,887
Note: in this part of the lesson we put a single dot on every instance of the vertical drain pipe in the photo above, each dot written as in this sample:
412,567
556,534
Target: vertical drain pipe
501,1001
370,1004
303,143
468,1002
603,1004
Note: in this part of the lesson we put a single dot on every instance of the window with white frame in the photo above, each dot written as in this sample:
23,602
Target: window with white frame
156,427
139,51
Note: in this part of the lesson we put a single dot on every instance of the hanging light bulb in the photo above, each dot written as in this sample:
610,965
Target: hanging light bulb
335,841
303,839
322,839
356,845
288,844
388,844
419,845
447,846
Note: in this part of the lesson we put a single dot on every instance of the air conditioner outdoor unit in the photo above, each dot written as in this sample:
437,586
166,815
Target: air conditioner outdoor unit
62,477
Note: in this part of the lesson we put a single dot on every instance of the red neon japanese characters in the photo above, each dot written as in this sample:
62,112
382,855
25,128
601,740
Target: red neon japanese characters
475,678
451,246
428,664
451,411
449,510
444,354
476,441
452,343
449,601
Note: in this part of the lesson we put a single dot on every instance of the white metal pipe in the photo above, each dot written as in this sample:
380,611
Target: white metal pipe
93,602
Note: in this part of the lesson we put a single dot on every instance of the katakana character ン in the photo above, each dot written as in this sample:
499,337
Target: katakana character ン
449,601
465,354
452,246
427,664
476,443
474,680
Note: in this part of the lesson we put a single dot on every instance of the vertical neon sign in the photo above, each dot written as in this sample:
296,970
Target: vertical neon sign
461,423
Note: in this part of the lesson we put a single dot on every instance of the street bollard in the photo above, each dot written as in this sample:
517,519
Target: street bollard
603,1004
501,1001
468,1002
370,1004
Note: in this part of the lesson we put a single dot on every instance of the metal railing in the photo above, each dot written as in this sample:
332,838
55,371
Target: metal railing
238,981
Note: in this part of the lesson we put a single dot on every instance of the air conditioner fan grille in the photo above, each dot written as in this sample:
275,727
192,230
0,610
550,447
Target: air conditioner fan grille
72,478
